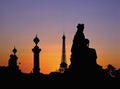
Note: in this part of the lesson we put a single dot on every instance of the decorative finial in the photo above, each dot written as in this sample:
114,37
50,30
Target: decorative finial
14,50
36,40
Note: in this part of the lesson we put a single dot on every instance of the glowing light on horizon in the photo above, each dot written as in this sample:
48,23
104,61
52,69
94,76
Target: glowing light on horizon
22,20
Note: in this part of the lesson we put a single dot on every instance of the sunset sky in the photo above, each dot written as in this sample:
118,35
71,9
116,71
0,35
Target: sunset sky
21,20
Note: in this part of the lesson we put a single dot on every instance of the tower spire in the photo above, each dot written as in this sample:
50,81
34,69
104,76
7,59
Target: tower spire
12,63
63,64
36,50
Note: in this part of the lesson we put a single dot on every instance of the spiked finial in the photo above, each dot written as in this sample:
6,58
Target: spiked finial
14,50
36,40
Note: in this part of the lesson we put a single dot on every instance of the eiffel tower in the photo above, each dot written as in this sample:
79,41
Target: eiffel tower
63,64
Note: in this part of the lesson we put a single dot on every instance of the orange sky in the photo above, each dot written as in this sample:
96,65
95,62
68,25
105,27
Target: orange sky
21,20
50,56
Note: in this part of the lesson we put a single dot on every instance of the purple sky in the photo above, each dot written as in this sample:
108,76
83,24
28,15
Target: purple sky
21,20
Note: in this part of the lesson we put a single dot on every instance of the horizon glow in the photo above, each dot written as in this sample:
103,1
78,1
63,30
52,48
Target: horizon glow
21,20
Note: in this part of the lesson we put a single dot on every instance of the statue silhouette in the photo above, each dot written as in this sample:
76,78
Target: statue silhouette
83,65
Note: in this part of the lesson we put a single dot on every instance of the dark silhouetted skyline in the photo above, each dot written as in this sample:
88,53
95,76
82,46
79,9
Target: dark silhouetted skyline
20,20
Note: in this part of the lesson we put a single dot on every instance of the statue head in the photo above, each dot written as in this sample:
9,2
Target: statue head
80,27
